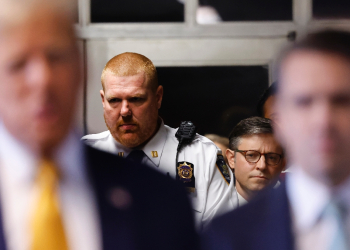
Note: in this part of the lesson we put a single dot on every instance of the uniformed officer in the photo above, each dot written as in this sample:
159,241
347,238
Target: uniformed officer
131,98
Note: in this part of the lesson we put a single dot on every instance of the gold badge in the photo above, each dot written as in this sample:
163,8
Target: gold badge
121,154
225,169
185,172
154,154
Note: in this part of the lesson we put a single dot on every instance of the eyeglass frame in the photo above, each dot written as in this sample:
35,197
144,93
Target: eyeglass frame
244,153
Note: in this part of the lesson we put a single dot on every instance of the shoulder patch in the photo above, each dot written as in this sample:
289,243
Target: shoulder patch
221,165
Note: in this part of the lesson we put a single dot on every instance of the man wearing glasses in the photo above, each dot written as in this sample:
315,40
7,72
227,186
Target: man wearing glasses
255,157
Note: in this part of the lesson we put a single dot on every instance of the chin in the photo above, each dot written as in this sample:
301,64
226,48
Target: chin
130,140
257,186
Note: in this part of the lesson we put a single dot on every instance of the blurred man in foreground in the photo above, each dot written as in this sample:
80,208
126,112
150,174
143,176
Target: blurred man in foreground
312,210
131,97
55,192
255,157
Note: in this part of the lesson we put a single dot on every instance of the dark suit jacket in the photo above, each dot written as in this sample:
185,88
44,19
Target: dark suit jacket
263,224
139,208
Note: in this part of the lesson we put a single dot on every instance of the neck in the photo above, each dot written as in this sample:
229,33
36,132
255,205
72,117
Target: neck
159,122
245,193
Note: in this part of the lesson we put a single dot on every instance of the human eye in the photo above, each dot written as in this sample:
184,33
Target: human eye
272,156
252,155
59,55
136,99
303,101
54,57
16,65
113,100
342,100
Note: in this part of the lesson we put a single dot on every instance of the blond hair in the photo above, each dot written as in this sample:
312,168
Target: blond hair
14,12
130,64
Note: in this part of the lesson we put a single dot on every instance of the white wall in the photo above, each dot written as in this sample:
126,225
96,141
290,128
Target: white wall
187,44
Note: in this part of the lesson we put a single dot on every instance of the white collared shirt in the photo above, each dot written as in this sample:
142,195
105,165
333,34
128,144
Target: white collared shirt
241,200
18,169
213,195
308,199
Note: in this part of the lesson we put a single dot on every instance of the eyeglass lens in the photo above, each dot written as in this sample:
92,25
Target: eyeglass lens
270,158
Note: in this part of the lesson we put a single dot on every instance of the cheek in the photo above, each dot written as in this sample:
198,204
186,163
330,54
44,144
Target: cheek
143,113
111,114
242,170
14,96
274,172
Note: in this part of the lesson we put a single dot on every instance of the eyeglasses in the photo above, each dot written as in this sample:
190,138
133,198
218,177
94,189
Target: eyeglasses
253,156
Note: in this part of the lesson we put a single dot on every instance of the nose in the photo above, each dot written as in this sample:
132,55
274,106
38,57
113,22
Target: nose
39,72
261,164
125,109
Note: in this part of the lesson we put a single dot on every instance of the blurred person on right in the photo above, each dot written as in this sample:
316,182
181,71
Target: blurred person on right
311,210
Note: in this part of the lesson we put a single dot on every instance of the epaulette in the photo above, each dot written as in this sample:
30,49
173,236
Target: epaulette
221,165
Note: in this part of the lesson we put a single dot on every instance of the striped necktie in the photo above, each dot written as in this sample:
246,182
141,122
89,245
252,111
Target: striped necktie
337,212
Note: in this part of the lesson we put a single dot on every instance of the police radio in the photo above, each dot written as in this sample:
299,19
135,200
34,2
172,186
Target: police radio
185,170
185,134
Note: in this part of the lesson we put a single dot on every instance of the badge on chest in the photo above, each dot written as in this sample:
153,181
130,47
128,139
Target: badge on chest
185,174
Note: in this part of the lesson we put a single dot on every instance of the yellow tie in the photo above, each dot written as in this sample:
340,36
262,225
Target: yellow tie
47,225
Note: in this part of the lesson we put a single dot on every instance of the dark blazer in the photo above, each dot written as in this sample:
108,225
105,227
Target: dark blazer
139,208
263,224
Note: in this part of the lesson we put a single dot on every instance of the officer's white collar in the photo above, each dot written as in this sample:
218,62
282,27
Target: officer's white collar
156,144
241,200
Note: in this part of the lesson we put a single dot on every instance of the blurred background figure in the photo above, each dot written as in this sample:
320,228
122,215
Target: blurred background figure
311,211
255,157
266,102
220,141
207,15
55,192
266,108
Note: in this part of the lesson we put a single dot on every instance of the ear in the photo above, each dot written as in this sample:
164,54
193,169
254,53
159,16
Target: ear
102,93
159,96
230,154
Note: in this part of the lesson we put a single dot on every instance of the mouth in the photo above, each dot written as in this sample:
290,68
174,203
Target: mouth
260,177
47,114
127,126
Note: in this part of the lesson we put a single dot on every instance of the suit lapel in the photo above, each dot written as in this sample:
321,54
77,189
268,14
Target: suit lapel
270,222
2,237
280,219
116,217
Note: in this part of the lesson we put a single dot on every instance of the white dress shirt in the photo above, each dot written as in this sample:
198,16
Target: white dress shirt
241,200
308,199
213,195
18,169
